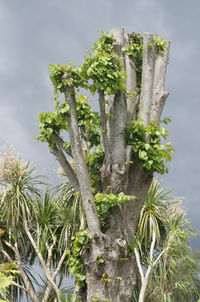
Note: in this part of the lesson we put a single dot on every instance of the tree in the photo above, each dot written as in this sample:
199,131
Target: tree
32,227
112,155
162,250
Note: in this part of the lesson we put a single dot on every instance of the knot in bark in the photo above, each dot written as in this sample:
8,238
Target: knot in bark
119,169
121,242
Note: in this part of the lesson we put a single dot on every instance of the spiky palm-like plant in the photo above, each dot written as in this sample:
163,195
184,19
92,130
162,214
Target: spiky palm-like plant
162,239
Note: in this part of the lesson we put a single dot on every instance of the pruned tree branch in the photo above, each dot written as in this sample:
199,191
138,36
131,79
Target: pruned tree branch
159,93
149,56
117,111
104,134
131,85
81,168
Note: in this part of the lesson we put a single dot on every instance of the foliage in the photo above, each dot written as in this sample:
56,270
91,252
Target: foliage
19,184
70,214
164,219
51,220
104,67
56,121
64,76
106,202
135,50
7,271
76,267
161,45
146,144
153,216
176,280
102,70
95,161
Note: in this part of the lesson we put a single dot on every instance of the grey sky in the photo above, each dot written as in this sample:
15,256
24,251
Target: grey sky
36,33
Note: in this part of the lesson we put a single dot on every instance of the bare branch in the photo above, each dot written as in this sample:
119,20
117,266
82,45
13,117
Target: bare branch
152,246
56,272
104,134
149,54
137,256
145,278
6,255
118,117
9,245
49,258
19,286
159,93
131,85
66,167
60,142
118,112
80,164
159,256
119,42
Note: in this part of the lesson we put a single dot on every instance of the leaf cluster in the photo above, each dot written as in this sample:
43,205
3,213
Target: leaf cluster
153,216
75,264
161,45
106,202
65,76
57,121
147,145
95,161
104,67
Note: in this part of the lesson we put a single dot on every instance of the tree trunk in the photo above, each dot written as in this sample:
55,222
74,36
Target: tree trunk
114,279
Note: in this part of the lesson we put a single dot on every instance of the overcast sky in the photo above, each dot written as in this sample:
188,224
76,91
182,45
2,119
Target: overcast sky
34,34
